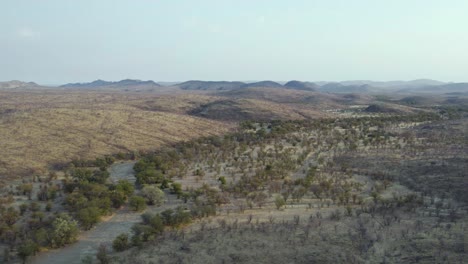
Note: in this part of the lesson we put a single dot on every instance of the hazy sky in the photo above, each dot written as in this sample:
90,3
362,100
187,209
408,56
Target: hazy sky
53,42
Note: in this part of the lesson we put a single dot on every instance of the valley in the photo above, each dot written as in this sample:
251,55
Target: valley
182,176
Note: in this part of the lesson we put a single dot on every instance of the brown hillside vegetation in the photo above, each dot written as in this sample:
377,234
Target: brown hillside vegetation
253,109
219,106
42,128
315,100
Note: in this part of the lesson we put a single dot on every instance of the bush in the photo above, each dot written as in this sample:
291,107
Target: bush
279,202
137,203
125,187
27,248
153,195
117,198
222,180
176,218
102,255
88,217
157,224
176,188
65,231
121,243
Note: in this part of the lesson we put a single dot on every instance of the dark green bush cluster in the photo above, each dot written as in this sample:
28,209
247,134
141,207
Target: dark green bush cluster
152,168
90,197
39,231
153,225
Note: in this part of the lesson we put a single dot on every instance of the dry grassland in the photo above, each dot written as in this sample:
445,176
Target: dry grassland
40,128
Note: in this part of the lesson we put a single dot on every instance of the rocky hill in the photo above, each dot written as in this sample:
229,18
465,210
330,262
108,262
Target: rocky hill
107,84
267,84
209,85
17,84
298,85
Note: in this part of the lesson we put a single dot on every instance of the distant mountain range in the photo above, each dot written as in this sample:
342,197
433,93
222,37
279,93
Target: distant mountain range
119,84
415,86
359,86
413,83
443,88
222,85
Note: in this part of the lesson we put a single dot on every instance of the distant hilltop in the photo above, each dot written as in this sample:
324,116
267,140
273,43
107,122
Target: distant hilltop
357,86
223,85
119,84
361,86
17,84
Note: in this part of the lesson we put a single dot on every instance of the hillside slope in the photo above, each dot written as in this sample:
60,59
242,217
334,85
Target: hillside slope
43,128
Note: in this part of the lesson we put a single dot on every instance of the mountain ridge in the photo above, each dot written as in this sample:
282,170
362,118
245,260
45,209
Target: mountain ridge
101,83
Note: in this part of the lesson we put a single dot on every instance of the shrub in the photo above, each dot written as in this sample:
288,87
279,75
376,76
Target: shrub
125,187
222,180
117,198
137,203
176,188
102,255
279,202
27,248
121,243
65,231
153,195
88,217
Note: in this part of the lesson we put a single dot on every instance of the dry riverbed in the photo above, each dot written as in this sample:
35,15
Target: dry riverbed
104,232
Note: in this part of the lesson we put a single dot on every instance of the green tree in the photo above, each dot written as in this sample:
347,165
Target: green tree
64,231
150,176
157,224
121,243
10,216
279,202
137,203
125,187
153,195
100,176
41,236
26,249
88,217
117,198
176,188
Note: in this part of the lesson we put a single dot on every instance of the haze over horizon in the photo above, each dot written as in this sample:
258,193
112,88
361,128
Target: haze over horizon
56,41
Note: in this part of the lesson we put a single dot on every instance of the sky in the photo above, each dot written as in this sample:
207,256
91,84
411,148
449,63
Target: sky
61,41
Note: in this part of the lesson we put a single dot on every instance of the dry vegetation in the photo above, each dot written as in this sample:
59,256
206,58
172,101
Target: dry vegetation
43,128
372,190
295,184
